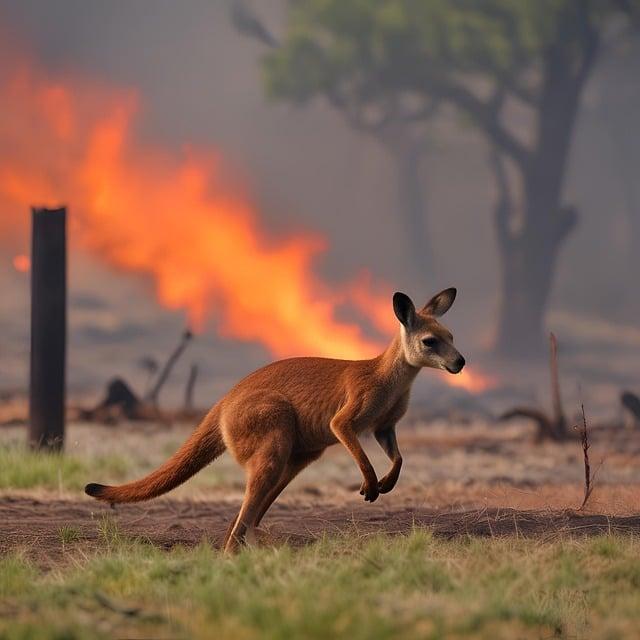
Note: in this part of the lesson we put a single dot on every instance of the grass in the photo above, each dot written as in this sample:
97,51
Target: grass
21,468
340,587
68,534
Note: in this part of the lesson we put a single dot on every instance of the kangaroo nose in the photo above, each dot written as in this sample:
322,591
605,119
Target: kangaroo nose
459,364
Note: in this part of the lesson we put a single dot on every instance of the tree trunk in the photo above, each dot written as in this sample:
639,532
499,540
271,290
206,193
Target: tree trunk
634,250
525,284
530,254
529,262
413,208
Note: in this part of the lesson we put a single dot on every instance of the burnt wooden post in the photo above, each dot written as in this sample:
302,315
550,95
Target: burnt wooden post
48,328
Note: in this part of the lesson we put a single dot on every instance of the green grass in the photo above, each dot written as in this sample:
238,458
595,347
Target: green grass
68,534
21,468
341,587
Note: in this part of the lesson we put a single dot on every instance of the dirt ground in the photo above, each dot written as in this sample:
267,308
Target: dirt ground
34,525
478,479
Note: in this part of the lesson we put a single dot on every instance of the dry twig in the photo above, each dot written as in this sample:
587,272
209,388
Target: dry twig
589,479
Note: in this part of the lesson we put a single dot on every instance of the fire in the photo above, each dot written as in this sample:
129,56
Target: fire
22,263
173,217
471,380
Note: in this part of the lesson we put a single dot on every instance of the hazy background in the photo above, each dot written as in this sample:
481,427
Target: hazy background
202,82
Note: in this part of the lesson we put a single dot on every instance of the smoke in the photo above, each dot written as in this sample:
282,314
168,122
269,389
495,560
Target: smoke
147,77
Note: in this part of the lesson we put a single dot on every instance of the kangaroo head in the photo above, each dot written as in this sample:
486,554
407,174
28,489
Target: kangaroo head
426,342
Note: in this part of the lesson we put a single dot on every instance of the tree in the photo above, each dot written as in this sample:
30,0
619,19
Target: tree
617,106
375,59
400,128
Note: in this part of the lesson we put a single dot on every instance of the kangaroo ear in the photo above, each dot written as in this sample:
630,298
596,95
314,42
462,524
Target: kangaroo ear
441,302
404,309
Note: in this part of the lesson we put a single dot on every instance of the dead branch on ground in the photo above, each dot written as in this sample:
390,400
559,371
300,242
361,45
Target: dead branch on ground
121,402
188,408
550,426
153,395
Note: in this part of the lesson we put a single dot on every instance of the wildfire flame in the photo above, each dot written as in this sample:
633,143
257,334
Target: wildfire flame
21,263
174,217
471,380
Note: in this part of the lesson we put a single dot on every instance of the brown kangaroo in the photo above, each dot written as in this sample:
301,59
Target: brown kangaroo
282,417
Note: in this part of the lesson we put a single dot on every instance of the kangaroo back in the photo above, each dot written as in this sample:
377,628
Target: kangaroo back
203,446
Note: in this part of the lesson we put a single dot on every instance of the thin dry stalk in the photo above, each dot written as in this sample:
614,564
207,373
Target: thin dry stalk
589,479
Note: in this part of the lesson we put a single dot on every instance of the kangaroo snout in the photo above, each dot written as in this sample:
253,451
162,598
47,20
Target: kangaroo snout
457,365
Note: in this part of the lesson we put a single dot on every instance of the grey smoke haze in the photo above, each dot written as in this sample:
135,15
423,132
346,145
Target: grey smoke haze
201,82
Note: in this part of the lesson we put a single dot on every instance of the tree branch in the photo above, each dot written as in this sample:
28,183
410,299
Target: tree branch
485,116
354,112
354,109
247,23
423,113
522,93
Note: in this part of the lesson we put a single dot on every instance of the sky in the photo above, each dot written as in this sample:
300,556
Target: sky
305,172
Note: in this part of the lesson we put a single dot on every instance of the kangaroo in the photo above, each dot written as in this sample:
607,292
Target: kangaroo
280,418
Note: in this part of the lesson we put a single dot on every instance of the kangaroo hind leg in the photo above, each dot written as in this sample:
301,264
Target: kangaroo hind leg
295,465
264,470
263,439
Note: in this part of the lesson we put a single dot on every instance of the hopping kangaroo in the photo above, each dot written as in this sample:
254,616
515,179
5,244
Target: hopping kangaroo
282,417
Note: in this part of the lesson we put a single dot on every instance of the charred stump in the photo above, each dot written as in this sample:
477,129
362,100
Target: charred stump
631,402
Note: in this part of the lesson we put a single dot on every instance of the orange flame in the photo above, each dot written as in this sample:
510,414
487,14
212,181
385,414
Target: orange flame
172,217
472,380
22,263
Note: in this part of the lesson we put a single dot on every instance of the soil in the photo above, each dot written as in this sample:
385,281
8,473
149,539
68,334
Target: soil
33,525
478,479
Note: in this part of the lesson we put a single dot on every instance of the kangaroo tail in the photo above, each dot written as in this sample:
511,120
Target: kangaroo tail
203,446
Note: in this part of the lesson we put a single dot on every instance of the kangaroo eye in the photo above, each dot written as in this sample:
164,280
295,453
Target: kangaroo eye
430,343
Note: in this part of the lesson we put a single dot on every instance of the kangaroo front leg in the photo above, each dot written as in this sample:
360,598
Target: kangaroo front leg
387,440
343,431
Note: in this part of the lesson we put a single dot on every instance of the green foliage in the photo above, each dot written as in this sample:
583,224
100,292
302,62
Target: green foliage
365,51
374,44
346,586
